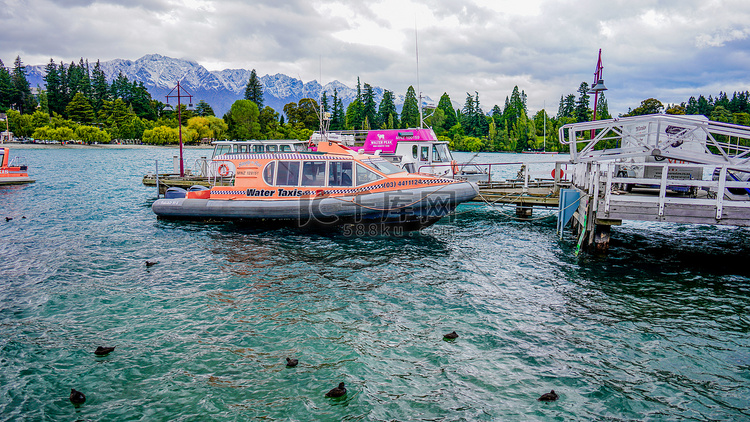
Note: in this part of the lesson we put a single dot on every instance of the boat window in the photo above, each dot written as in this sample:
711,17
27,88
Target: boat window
414,149
313,173
272,148
285,148
268,173
440,153
222,149
425,154
340,173
288,173
383,166
300,147
242,148
409,167
258,149
365,175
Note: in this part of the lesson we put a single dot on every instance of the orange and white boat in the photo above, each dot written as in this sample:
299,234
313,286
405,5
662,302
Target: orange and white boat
13,172
331,186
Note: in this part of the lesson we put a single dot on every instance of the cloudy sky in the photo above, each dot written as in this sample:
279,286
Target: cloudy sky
667,49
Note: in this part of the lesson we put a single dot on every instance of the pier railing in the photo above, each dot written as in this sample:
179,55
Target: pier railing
600,180
519,174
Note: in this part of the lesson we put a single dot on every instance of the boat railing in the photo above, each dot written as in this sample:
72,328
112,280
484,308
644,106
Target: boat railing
601,180
18,161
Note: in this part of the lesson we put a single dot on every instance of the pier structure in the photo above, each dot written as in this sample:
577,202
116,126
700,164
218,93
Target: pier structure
534,185
664,168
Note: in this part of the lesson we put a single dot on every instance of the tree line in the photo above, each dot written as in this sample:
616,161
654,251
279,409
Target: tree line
78,103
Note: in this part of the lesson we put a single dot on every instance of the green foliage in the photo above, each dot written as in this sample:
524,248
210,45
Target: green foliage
21,97
387,114
91,134
305,114
410,111
254,90
203,109
161,135
243,120
648,106
79,109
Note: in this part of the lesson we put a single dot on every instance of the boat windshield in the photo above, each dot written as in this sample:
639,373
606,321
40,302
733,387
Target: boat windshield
440,153
222,149
383,166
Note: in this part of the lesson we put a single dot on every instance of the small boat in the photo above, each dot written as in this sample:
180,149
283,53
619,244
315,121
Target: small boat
419,150
13,172
332,186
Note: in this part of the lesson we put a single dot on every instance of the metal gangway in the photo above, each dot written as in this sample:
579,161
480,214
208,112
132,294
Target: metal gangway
666,168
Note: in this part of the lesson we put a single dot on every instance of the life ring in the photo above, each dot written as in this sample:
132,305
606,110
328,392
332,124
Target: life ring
223,170
454,167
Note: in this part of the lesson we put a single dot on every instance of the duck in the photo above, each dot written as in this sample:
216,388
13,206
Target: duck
8,218
551,396
76,397
450,336
291,362
103,350
151,263
337,392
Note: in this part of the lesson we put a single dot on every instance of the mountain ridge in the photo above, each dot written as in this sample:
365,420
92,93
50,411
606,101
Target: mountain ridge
219,88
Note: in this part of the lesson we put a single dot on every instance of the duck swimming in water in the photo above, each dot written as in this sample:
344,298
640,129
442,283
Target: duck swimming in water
450,336
76,397
551,396
103,351
291,363
337,392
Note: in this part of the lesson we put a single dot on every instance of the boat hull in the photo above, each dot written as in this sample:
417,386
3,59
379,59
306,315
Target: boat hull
411,208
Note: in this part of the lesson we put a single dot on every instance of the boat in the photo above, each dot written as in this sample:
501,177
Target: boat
13,171
332,186
202,171
419,151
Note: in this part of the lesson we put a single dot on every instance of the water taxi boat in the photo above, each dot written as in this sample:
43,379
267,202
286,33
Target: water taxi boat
331,186
13,172
419,150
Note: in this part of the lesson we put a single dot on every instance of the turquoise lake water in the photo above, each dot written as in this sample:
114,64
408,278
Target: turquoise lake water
657,330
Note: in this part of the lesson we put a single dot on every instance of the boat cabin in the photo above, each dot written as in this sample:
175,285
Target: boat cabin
414,150
258,147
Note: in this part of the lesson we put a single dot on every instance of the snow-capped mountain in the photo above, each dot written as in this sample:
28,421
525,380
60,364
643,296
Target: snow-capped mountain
220,89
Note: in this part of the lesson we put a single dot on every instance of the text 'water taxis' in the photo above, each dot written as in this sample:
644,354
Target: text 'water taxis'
334,185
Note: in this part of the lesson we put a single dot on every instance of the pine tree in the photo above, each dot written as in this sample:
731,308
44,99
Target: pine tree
254,90
446,105
338,119
369,110
21,96
387,114
203,109
54,89
99,87
79,109
410,111
6,88
582,105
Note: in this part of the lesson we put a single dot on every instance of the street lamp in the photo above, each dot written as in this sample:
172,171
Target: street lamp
179,97
598,82
598,86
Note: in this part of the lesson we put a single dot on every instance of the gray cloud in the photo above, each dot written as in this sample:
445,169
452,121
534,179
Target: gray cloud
669,49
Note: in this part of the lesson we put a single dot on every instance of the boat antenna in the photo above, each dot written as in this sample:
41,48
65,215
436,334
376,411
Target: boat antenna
544,116
416,48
